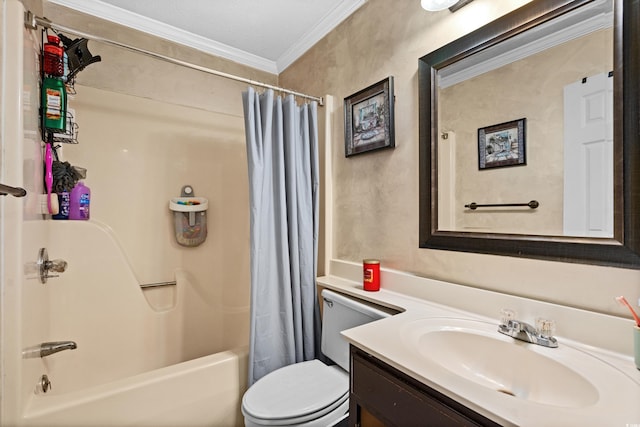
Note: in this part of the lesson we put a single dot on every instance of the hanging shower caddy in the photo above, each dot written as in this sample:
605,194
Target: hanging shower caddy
189,217
60,61
67,133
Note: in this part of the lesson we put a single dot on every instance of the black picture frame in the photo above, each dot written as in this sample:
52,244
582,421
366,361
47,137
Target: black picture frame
369,119
502,145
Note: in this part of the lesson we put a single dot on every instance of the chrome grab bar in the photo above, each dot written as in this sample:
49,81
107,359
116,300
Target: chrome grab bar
157,284
14,191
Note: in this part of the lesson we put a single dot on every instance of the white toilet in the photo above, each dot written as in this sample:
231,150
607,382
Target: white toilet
311,394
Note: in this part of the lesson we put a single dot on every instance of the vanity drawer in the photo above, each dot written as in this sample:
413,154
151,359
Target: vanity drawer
396,399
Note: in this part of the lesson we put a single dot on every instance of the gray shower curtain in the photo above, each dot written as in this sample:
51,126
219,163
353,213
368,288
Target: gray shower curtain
282,154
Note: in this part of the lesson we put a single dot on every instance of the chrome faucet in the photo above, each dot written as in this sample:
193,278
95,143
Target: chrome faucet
45,267
542,335
49,348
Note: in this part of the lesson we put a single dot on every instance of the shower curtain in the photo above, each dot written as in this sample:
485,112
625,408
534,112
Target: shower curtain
282,154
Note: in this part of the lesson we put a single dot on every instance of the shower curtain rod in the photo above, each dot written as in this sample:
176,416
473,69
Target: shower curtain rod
33,21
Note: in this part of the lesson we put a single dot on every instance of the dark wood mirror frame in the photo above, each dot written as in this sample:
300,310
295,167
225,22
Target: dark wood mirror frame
623,250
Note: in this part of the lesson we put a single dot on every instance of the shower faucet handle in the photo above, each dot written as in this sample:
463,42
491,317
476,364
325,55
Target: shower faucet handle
45,266
57,265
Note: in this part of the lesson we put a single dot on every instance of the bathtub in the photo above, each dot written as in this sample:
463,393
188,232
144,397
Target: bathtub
202,392
162,356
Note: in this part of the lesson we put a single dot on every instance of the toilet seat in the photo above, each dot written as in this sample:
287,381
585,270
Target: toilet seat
296,394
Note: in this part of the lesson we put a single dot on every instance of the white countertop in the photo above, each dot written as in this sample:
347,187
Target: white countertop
384,339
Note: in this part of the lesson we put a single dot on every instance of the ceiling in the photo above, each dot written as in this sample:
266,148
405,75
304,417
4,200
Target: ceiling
265,34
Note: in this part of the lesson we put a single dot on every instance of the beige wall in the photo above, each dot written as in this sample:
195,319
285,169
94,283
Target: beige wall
375,195
35,6
496,97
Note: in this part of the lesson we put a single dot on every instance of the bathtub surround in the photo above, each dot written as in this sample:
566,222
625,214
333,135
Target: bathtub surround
282,155
141,142
135,168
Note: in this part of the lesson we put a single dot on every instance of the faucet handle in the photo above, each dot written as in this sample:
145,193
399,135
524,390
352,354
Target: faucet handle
57,265
545,327
45,267
506,314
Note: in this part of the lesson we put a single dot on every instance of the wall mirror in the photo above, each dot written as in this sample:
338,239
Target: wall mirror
540,105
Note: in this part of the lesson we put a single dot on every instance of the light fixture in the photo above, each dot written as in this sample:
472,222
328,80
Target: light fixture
435,5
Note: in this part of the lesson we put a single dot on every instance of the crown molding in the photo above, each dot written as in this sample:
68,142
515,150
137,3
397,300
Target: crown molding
324,27
141,23
156,28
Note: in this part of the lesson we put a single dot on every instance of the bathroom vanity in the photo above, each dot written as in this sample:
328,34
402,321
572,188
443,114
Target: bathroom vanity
442,361
382,395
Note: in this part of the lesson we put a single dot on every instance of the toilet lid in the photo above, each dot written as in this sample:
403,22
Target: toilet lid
297,390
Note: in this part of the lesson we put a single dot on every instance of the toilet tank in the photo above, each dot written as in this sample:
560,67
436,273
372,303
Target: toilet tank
340,313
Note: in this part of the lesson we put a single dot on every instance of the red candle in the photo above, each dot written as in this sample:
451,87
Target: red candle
371,274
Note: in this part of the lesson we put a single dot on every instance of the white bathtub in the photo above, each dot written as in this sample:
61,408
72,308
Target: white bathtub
202,392
170,356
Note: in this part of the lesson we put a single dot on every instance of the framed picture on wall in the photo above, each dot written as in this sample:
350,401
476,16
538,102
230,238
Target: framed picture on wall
368,119
502,145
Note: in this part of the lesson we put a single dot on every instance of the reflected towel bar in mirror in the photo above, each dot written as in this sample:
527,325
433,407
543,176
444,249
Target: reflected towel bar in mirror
532,204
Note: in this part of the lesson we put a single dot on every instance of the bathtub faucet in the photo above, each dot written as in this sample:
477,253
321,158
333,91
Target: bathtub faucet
49,348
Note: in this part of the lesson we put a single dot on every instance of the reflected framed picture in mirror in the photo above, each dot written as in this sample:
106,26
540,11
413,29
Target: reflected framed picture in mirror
502,145
368,119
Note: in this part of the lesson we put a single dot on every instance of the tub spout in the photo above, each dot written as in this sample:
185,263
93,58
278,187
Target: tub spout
49,348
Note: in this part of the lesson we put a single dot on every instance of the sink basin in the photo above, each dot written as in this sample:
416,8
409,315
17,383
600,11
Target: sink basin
474,351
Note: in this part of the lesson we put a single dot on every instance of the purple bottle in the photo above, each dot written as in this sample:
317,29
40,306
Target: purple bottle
79,201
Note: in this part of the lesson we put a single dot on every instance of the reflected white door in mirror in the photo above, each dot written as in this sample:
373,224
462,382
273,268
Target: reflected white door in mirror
588,157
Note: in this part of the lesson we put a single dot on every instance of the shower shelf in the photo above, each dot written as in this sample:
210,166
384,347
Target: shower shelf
69,136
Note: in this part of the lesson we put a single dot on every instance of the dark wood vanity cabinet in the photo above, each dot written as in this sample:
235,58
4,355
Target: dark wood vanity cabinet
380,395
